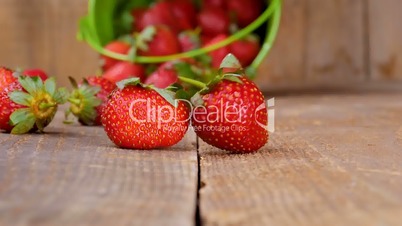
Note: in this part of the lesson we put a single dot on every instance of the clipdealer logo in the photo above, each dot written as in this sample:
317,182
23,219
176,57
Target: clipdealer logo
228,113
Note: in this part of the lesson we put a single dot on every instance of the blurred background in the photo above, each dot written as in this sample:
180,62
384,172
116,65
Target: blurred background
321,43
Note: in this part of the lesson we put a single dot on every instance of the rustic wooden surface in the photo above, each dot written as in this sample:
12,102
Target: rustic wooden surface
74,176
333,160
385,39
320,42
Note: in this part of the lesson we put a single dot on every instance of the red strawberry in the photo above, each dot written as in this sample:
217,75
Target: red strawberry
158,41
6,77
124,70
189,40
218,55
245,11
35,72
231,115
159,14
214,3
137,117
116,47
246,50
137,14
89,98
29,104
184,13
163,77
213,21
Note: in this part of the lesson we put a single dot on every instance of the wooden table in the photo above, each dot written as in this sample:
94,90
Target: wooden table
334,159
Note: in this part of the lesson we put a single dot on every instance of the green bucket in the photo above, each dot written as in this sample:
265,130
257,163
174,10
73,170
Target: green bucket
98,28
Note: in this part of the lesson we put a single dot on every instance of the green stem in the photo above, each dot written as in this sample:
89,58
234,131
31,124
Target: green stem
274,7
193,82
43,106
74,101
272,32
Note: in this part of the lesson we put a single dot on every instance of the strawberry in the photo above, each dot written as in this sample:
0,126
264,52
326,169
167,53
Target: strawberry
184,13
158,41
213,21
6,77
245,50
89,98
214,3
229,114
139,117
245,11
29,104
189,40
163,77
116,47
218,55
35,72
137,14
124,70
159,14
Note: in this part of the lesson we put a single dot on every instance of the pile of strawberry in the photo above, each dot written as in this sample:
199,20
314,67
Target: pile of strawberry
170,27
228,112
149,106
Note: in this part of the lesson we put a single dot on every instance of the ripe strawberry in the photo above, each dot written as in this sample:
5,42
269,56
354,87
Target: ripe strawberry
35,72
184,13
116,47
214,3
124,70
218,55
158,41
245,50
89,98
137,14
245,11
159,14
138,117
213,21
6,77
29,104
230,114
163,77
189,40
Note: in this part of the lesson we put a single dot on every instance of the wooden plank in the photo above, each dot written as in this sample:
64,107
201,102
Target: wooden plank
333,160
335,41
286,62
42,34
385,39
74,175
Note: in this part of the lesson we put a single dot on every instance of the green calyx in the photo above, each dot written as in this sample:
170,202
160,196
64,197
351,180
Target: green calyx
83,102
167,94
40,101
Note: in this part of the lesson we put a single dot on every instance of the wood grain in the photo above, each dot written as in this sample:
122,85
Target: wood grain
286,63
385,39
333,160
335,41
41,33
74,175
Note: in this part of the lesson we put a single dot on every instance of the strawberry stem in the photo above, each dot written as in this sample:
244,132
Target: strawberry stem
193,82
44,106
74,101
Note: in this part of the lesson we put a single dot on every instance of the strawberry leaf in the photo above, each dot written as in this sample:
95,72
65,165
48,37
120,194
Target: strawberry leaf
230,61
167,95
185,70
25,125
61,95
50,86
20,115
129,81
20,97
233,78
144,37
28,84
197,99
